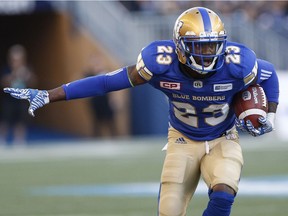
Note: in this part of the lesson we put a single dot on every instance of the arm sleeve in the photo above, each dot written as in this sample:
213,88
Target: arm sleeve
268,79
97,85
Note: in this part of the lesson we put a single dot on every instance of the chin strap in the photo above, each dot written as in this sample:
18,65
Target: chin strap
200,68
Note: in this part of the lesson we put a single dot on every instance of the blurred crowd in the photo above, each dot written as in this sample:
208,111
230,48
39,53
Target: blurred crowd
267,14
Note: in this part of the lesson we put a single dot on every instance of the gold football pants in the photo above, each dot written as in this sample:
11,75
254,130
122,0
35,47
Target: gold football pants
218,161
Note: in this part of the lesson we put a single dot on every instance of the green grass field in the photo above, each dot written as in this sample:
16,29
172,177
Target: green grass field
106,163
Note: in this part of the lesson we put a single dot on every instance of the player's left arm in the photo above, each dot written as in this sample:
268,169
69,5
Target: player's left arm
268,79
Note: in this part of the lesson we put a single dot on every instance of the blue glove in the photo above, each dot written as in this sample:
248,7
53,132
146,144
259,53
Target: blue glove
37,98
241,125
267,125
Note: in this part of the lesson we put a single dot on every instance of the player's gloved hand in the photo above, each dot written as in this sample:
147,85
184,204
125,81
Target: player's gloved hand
241,125
37,98
267,125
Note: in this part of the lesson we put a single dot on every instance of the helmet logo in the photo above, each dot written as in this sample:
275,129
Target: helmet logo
177,29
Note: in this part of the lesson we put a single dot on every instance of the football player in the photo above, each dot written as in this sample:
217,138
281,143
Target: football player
200,72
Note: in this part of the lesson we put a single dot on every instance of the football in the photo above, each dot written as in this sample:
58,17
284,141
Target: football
250,104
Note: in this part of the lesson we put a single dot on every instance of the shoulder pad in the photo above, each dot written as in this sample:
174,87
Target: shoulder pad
241,62
156,58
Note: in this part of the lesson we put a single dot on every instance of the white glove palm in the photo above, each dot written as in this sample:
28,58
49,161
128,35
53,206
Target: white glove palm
37,98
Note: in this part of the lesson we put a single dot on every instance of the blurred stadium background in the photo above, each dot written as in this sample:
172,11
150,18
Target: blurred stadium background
65,170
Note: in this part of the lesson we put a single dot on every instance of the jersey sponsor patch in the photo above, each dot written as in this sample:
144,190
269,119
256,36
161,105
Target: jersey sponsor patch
222,87
170,85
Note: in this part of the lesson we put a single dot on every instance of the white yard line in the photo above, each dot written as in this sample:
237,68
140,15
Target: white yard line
276,186
111,148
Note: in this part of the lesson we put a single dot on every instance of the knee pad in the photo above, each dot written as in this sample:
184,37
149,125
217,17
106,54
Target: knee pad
171,206
220,204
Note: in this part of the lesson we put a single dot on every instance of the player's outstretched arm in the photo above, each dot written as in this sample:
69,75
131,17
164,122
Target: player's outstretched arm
97,85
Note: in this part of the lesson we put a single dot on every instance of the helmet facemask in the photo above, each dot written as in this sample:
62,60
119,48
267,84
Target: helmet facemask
202,53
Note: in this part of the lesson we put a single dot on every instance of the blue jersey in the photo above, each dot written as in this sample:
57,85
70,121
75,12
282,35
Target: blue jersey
199,108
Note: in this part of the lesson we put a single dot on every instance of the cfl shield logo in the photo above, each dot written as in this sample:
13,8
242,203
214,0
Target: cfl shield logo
246,95
198,84
170,85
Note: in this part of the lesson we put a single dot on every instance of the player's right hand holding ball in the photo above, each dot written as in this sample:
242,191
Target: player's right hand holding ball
267,125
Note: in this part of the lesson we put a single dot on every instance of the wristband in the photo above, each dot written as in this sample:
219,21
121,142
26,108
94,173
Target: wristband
271,118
